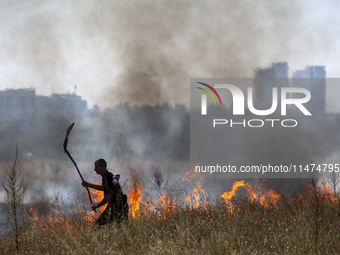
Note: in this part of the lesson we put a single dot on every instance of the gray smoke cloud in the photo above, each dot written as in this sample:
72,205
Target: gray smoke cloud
142,52
138,137
142,137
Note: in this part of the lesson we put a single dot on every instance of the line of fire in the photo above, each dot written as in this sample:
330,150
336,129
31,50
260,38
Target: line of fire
197,198
189,192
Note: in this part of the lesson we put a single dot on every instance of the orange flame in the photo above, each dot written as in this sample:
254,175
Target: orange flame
327,191
56,218
97,196
189,175
135,193
265,198
194,195
167,205
141,204
33,213
229,195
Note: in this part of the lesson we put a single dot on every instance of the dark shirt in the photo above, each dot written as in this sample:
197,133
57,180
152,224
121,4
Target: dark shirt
118,206
107,183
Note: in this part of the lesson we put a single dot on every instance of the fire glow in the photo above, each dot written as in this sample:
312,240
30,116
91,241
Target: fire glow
265,198
140,204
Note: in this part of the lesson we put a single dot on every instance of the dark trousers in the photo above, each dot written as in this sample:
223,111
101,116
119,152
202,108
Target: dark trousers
105,217
111,215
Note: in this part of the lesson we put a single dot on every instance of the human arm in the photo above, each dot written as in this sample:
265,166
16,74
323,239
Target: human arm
92,186
104,201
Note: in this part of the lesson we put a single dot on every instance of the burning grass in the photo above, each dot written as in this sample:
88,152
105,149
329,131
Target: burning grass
258,222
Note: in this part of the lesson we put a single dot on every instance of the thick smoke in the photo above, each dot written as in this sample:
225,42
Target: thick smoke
136,57
161,46
142,137
138,137
142,52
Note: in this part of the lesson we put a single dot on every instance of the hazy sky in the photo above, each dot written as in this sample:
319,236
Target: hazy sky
145,52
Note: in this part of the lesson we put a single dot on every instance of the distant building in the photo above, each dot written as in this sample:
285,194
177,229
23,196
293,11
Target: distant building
59,108
58,105
312,79
36,113
264,82
18,106
316,84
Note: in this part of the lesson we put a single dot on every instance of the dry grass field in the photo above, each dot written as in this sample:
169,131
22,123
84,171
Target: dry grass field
260,222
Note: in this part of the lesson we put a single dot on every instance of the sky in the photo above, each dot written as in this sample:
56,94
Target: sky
145,52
